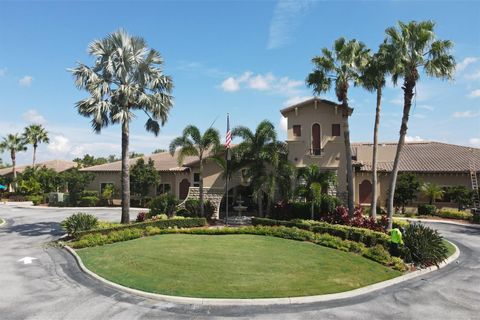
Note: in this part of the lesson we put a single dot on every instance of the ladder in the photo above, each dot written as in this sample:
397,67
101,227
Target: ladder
474,180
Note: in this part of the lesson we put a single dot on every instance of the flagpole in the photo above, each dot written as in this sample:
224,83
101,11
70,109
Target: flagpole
226,169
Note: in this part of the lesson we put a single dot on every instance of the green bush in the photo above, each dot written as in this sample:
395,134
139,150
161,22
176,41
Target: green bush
79,222
365,236
162,224
88,201
328,203
35,199
423,246
90,193
166,204
426,209
378,253
193,207
450,214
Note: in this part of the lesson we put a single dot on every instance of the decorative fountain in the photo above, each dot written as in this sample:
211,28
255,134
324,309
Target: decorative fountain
239,219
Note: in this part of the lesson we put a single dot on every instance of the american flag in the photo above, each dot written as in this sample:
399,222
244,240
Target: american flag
228,138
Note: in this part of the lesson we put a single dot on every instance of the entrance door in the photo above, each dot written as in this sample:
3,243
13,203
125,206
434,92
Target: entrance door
184,186
316,139
365,191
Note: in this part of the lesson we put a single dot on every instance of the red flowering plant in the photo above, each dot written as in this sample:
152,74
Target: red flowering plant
340,216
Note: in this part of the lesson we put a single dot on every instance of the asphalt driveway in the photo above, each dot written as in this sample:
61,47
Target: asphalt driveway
53,287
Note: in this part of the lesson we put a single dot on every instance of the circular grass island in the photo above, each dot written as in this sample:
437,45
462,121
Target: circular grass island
231,266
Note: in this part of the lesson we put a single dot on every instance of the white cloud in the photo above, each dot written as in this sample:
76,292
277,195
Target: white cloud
473,76
426,107
465,63
413,139
474,142
283,124
465,114
294,100
230,85
26,81
474,94
3,71
286,17
419,116
267,82
32,116
59,144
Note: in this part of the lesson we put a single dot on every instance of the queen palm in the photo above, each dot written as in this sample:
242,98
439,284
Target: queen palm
13,143
373,79
193,143
432,191
258,149
126,77
34,135
411,48
340,67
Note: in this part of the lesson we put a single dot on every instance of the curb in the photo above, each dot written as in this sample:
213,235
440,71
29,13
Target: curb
3,222
469,225
268,301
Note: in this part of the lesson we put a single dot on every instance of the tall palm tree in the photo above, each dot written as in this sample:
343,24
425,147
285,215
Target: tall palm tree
312,181
13,143
259,153
34,135
193,143
373,79
127,76
340,67
432,191
410,48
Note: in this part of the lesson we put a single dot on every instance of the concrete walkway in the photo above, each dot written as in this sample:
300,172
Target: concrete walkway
53,287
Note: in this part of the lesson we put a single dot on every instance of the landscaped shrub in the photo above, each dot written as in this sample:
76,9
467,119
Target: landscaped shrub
35,199
451,214
378,253
365,236
79,222
141,216
88,201
423,246
193,207
328,204
426,209
166,204
162,224
90,193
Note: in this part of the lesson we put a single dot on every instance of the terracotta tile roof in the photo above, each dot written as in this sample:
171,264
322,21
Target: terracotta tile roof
309,102
163,162
418,157
57,165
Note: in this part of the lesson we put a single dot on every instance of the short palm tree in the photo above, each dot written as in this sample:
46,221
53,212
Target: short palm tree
259,153
432,191
34,135
311,182
193,143
127,76
373,79
410,48
13,143
339,68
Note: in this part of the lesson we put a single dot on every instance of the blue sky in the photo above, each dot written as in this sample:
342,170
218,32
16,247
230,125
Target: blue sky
248,58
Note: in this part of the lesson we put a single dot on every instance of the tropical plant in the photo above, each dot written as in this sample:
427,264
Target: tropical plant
192,143
339,68
34,135
108,194
424,246
127,76
13,143
163,204
259,155
373,79
142,177
76,182
432,191
410,48
79,222
460,195
88,161
406,190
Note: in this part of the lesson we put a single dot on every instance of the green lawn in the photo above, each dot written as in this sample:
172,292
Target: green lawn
231,266
450,247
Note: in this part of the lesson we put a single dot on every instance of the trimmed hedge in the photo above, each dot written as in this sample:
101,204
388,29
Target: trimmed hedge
426,210
459,215
161,224
368,237
378,253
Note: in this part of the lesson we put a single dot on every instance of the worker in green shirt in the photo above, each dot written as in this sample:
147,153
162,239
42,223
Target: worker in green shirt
396,241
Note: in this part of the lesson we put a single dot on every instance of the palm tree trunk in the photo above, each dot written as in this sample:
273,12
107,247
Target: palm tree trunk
348,155
125,174
34,155
202,209
373,208
14,169
408,96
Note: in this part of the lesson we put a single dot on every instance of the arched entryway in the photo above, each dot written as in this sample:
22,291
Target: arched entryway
365,192
316,142
183,186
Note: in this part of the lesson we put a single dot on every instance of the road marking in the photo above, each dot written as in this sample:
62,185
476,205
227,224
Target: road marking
27,260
